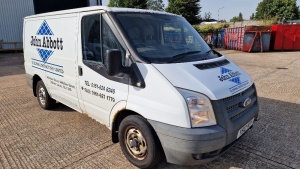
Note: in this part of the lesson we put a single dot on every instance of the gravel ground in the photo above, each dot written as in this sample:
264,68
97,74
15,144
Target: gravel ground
31,137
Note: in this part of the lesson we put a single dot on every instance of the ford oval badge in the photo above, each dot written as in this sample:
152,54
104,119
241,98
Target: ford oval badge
247,102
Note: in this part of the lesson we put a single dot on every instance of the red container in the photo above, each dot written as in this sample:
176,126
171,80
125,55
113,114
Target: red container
233,38
286,37
257,39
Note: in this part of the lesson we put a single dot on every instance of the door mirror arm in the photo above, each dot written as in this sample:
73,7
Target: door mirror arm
136,78
113,63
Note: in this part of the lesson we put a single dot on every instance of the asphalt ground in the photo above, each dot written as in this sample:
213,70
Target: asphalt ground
31,137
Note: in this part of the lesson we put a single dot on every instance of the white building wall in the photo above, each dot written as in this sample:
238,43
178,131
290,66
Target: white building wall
12,13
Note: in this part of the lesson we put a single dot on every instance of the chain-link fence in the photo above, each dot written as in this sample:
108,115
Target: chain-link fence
215,38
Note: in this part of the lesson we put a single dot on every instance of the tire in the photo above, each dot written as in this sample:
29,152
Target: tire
43,97
139,142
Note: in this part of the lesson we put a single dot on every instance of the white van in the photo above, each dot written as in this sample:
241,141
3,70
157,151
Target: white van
148,76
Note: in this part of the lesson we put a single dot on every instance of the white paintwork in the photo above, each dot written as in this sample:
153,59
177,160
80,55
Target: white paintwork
187,76
121,105
160,100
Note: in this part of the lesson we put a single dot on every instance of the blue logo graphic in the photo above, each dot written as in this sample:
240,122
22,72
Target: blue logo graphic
224,70
44,29
227,74
236,80
44,54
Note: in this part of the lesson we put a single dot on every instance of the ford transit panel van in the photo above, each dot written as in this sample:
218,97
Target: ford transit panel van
148,76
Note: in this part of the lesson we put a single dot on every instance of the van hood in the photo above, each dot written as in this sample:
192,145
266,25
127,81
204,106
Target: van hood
216,78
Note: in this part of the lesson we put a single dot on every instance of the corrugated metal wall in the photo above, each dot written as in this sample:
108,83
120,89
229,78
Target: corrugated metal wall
12,13
93,2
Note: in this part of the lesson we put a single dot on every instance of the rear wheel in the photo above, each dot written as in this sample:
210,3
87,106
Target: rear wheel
43,97
139,142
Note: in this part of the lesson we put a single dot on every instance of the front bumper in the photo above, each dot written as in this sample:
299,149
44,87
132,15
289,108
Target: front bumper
194,146
182,145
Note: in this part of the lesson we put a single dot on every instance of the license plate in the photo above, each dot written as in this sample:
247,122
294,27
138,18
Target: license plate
245,128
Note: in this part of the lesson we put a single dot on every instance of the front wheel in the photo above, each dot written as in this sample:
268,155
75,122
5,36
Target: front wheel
139,142
43,97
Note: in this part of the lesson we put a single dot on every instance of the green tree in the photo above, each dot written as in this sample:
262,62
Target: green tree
189,9
252,17
237,18
280,9
116,3
141,4
240,17
156,5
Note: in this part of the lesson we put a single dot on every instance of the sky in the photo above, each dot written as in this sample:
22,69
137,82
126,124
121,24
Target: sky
227,8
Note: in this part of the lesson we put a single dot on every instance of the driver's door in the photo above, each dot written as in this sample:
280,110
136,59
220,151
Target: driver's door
99,92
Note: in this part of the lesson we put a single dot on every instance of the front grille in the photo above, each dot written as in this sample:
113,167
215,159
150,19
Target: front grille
233,104
212,64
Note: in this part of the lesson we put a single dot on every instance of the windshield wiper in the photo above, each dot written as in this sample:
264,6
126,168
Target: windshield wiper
182,55
213,51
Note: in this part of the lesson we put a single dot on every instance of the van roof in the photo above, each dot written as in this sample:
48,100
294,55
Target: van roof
95,8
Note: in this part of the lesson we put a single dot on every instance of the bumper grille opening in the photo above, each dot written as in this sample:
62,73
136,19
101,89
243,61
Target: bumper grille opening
234,104
230,108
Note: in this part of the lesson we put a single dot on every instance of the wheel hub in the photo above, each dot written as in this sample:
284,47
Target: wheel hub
42,95
136,143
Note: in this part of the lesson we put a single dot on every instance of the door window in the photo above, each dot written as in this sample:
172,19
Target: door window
91,48
97,38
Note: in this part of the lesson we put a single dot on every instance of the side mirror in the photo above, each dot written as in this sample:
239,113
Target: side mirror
113,63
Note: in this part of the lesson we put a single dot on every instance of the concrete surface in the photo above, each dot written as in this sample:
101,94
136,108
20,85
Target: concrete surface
31,137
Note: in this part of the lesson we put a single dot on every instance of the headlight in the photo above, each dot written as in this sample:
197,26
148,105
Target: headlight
200,109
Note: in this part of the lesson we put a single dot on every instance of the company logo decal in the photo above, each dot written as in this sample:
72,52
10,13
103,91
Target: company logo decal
227,74
46,44
234,77
45,54
44,29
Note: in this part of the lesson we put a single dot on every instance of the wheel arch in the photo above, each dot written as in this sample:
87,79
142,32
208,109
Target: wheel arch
116,121
119,117
36,78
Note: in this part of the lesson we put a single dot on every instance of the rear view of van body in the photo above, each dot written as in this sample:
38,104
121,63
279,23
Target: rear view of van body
148,76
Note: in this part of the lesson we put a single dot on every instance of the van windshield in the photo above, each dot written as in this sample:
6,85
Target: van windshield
162,38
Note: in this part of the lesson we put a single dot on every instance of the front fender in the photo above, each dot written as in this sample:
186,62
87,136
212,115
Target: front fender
121,105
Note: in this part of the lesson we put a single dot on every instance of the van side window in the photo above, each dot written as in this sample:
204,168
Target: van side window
97,38
91,49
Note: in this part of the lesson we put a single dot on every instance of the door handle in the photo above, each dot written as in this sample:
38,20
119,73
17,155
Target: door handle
80,71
